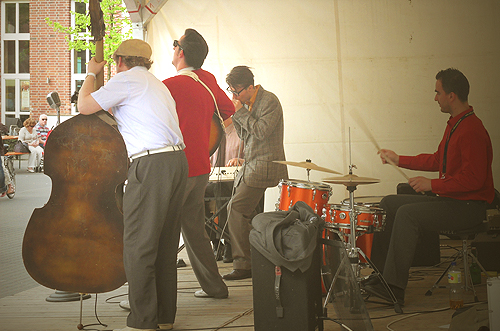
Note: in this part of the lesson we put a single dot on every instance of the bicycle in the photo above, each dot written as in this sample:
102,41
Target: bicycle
10,174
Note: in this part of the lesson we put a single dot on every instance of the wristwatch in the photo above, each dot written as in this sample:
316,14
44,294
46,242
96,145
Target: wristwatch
91,74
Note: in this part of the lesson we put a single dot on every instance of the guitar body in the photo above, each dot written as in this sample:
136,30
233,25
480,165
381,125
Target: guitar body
216,133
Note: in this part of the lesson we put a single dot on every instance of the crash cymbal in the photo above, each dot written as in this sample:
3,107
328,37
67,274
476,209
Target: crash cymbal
351,180
308,165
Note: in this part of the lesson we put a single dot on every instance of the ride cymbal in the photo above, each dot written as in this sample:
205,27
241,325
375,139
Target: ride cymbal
351,180
308,165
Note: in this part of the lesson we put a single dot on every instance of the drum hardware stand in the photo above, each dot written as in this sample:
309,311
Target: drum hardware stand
397,307
353,251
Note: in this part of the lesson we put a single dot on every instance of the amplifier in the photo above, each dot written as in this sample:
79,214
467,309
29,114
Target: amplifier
299,306
488,250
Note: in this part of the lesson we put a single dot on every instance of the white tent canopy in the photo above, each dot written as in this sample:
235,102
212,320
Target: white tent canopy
328,60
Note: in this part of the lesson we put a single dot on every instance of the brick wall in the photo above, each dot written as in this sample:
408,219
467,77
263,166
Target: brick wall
49,56
1,71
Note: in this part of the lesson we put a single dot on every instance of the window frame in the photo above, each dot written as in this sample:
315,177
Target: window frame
77,76
17,77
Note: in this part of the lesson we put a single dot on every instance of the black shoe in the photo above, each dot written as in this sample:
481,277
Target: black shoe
238,274
228,254
379,291
372,279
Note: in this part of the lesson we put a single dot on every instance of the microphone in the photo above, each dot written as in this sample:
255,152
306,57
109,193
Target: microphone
53,100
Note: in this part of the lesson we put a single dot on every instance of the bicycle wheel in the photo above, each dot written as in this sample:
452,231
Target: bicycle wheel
9,169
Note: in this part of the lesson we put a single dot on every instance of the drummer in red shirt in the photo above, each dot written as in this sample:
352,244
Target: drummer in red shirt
461,193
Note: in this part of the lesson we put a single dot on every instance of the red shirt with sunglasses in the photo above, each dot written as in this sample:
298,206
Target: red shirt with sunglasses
195,107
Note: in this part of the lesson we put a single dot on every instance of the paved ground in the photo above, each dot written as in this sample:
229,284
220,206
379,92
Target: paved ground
33,191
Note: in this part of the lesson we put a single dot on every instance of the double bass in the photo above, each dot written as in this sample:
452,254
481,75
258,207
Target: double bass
75,242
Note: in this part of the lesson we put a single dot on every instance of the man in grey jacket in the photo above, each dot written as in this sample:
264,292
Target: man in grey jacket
259,123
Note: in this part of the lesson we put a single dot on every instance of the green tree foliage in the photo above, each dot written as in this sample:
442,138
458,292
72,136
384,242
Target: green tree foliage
116,20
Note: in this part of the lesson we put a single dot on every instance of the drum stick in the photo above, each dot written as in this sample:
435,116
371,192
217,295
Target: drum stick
363,126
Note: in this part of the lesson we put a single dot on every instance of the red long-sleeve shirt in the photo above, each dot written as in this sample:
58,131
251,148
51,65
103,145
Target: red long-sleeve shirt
195,107
468,167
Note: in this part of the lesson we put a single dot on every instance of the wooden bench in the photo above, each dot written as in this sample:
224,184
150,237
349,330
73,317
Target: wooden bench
17,156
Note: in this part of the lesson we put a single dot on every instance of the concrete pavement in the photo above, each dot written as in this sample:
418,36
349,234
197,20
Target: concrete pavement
33,191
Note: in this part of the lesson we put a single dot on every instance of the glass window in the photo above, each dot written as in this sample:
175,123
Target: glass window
10,94
78,86
24,18
9,56
80,62
24,56
81,8
25,95
10,18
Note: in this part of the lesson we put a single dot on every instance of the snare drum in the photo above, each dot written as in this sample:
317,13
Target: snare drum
369,219
315,195
366,201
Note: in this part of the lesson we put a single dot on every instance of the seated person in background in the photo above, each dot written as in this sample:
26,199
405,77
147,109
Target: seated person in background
42,129
464,187
3,186
229,154
3,130
30,136
6,186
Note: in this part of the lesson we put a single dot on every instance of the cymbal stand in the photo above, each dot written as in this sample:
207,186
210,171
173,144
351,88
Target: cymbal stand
353,251
308,170
397,307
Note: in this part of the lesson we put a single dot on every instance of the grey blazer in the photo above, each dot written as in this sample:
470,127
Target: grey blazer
262,133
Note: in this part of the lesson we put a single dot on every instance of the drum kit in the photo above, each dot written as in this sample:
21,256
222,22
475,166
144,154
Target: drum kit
349,220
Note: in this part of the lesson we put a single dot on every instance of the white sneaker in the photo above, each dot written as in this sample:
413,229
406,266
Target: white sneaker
203,294
124,305
166,326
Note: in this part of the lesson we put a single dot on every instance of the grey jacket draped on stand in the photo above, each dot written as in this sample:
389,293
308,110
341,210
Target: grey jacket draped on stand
287,238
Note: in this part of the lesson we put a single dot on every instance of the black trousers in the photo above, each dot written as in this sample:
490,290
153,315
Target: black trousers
407,217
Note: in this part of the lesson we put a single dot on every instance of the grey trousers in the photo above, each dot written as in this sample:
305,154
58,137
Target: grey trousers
196,239
241,210
408,216
151,209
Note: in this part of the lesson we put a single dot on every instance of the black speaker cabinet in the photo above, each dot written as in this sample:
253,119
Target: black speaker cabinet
300,296
488,251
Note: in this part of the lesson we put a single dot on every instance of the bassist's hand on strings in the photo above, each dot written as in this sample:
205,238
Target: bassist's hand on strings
86,103
95,67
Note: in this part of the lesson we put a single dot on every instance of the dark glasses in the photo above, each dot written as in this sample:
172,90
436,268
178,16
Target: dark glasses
236,93
176,43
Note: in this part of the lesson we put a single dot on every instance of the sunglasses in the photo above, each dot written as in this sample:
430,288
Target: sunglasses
236,93
44,119
176,43
31,126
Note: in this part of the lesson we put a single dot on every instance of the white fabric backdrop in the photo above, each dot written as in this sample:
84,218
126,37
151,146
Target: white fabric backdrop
326,60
